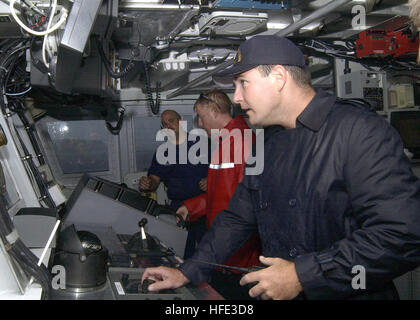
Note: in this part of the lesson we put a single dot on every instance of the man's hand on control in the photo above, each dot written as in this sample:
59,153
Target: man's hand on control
279,281
202,184
145,184
183,212
165,278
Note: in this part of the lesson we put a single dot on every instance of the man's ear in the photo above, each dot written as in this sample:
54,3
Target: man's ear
214,110
280,75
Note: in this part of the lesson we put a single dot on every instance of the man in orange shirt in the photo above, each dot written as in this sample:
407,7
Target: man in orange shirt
224,173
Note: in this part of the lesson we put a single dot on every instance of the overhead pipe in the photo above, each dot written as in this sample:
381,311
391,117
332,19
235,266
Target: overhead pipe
334,4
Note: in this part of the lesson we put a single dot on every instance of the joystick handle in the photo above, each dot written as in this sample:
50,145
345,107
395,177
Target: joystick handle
142,223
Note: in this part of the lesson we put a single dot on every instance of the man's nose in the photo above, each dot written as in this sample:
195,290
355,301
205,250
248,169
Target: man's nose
237,96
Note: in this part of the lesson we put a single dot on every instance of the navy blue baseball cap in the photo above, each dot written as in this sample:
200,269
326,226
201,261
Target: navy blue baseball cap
264,50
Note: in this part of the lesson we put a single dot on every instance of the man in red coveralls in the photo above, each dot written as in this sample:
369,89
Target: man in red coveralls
224,173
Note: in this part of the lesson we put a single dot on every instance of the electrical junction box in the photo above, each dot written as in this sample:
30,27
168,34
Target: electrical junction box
367,85
232,23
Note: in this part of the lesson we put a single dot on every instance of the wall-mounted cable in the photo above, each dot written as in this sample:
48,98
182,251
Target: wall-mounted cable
154,106
107,64
116,130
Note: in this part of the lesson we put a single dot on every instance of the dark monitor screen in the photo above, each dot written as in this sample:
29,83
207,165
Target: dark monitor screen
407,124
74,148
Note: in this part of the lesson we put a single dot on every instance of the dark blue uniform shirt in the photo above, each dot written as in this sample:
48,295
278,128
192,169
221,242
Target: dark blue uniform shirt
336,192
181,179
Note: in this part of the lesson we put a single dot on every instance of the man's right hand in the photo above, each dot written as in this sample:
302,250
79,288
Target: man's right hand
165,278
183,212
202,184
145,184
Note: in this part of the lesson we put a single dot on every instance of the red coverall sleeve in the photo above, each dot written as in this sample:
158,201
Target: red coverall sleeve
196,206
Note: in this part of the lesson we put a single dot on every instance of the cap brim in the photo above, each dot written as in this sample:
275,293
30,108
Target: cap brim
234,70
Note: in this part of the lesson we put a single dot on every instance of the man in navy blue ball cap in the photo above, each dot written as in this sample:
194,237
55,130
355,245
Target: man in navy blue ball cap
337,205
264,50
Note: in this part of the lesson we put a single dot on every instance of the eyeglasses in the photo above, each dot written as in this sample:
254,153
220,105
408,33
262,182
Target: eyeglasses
203,96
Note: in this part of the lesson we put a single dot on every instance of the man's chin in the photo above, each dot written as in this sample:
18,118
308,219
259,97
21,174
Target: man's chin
252,120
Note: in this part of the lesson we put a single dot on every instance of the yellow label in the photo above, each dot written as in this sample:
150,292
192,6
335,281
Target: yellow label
238,56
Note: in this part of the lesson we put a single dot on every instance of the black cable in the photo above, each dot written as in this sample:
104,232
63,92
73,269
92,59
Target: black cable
107,64
17,250
347,67
15,74
29,263
154,107
6,56
116,130
21,254
43,188
31,133
7,47
35,61
12,69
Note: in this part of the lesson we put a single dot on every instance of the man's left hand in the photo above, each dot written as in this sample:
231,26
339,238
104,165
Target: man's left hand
279,281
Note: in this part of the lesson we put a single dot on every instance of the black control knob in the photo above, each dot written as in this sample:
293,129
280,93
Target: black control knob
144,287
142,223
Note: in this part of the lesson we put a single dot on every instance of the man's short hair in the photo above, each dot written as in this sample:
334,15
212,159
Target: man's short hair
415,12
301,76
176,114
215,99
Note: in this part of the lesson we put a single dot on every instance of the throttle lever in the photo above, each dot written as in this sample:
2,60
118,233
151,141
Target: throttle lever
141,224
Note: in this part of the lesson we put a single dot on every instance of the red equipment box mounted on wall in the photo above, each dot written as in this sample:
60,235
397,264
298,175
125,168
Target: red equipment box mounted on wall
392,38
